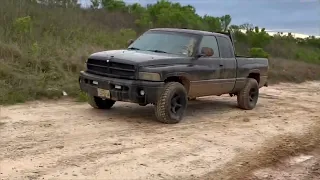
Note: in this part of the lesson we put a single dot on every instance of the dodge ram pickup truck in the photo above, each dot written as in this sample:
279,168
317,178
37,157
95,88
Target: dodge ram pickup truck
167,67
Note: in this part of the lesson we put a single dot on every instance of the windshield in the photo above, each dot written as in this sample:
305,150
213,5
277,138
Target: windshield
166,42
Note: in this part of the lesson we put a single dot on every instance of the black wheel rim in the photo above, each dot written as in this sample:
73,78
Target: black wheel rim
253,95
177,104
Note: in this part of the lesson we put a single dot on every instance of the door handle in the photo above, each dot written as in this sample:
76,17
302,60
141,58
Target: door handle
221,65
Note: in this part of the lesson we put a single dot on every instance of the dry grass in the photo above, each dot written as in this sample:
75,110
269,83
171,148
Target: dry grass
271,152
282,70
42,49
9,51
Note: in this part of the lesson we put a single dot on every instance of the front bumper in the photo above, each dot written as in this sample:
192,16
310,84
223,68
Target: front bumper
129,92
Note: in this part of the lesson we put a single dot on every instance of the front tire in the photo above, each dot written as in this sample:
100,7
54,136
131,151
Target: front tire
172,103
99,103
248,97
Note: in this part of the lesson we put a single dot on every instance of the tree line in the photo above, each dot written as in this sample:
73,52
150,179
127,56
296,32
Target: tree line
165,13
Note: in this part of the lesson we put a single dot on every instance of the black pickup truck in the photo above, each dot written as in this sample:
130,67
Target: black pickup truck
167,67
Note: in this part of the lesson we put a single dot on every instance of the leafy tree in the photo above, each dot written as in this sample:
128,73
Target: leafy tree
313,42
211,23
234,27
95,4
136,8
258,38
114,5
225,22
62,3
246,26
167,14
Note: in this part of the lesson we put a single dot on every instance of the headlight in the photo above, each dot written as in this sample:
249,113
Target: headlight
86,65
149,76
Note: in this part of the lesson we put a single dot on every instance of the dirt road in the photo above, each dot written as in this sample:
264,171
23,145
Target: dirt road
69,140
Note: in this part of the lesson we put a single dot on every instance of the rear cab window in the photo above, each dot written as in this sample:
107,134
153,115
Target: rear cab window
210,42
225,47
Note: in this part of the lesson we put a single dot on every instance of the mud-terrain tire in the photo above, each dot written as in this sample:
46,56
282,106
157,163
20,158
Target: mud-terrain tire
248,97
99,103
172,103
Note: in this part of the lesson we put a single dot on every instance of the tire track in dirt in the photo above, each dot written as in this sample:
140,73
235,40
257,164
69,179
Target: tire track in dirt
269,153
68,140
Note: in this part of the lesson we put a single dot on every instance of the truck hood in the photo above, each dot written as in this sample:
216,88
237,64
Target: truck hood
134,57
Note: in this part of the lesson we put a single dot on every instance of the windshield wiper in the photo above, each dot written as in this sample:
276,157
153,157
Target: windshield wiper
134,48
158,51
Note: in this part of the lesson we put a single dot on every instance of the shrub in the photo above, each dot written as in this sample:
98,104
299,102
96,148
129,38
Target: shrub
22,25
258,53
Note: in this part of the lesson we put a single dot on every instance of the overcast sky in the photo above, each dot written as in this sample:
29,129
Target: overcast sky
299,16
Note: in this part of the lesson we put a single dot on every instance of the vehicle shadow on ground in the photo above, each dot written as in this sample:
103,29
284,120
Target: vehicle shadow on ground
145,114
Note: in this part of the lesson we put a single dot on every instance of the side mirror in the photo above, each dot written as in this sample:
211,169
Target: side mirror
130,42
206,51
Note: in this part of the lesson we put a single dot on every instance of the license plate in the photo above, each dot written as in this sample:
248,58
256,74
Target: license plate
104,93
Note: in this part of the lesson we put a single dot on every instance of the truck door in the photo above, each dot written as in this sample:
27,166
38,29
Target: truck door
229,63
206,80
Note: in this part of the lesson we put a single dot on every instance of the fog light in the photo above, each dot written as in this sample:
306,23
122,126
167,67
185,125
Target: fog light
142,93
117,86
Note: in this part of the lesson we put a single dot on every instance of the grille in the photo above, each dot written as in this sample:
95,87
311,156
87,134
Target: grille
111,69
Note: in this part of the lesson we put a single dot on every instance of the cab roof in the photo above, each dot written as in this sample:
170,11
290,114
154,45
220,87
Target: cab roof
190,31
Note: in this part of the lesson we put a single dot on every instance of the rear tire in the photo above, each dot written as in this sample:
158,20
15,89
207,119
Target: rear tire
248,97
99,103
172,103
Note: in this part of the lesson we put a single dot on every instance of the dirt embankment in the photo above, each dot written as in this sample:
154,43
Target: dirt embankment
68,140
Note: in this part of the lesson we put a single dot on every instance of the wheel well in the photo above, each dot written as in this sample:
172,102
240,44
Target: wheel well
255,76
184,81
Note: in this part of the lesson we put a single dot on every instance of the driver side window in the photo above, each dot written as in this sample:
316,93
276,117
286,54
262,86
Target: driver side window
210,42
